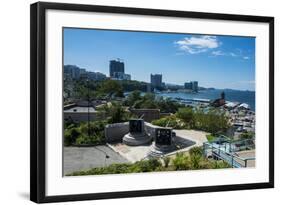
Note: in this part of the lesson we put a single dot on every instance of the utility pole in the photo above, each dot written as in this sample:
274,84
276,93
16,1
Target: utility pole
88,89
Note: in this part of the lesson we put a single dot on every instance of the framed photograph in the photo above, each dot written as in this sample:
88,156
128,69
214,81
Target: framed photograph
129,102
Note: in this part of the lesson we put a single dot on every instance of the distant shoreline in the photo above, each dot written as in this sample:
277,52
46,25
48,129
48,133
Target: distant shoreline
247,97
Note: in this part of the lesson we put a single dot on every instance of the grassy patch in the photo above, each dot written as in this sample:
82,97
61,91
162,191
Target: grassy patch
210,137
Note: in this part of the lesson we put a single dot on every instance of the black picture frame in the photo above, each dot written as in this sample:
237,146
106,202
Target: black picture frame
38,101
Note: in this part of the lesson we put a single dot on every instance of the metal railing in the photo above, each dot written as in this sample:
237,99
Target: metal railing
223,152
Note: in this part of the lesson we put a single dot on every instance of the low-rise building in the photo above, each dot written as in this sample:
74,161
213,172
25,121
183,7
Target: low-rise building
77,114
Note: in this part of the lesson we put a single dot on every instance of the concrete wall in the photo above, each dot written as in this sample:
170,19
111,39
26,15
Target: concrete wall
83,103
115,132
82,116
165,114
150,129
148,114
66,107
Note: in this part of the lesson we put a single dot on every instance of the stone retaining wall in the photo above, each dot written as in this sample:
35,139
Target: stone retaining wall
82,116
147,114
115,132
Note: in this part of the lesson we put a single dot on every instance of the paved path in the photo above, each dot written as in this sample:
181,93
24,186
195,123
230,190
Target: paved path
83,158
194,138
194,135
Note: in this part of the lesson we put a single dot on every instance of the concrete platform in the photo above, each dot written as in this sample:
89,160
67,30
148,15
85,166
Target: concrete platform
137,139
185,139
247,154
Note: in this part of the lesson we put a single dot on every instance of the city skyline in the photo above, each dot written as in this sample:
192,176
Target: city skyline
215,61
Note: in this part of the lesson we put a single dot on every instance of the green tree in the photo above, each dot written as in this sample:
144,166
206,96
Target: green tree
132,85
170,121
187,115
85,133
115,111
70,136
133,97
111,88
168,105
148,102
212,121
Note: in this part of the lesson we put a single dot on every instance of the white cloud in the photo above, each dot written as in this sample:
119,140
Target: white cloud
200,44
194,45
230,54
221,53
218,53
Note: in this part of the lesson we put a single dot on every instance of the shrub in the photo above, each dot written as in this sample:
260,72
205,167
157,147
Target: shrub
116,169
219,164
166,161
210,137
115,112
140,166
181,162
149,101
187,115
83,140
154,163
247,135
196,151
111,169
168,105
111,88
70,136
133,97
170,121
145,165
195,161
91,133
212,121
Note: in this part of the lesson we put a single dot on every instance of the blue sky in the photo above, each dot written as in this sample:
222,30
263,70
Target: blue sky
214,61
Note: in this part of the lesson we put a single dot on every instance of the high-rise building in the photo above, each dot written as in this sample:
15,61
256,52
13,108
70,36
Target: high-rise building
192,85
121,76
188,86
156,80
72,71
96,76
195,86
116,66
